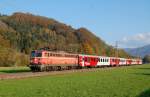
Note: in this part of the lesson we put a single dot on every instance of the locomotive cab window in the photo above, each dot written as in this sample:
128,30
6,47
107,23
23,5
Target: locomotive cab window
33,54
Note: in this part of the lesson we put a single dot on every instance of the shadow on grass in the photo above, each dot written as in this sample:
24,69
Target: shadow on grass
144,68
148,74
144,94
15,71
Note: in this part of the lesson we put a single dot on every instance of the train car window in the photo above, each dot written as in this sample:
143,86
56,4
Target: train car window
85,59
94,59
82,59
46,54
75,56
66,55
113,60
52,54
98,59
56,55
39,55
101,60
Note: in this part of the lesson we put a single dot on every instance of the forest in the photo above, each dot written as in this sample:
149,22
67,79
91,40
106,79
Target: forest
20,33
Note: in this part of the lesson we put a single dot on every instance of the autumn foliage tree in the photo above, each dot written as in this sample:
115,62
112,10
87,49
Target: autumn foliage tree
87,48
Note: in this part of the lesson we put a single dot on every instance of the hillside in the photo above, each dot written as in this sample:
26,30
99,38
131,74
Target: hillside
23,32
141,51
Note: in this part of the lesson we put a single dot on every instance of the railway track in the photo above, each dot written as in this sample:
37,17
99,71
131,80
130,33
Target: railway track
38,74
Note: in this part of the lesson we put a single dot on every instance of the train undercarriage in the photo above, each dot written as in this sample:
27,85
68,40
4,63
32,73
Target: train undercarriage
41,68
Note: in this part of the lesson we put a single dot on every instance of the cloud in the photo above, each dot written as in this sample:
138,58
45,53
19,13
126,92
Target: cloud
136,40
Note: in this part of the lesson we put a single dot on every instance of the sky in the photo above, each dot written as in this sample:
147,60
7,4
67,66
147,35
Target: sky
124,21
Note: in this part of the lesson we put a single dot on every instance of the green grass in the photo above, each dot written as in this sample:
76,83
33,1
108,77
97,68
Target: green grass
131,81
14,69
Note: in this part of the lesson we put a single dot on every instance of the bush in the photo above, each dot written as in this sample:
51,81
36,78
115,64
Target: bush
10,57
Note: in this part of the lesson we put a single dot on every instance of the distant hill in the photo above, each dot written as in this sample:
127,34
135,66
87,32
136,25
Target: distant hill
141,51
23,32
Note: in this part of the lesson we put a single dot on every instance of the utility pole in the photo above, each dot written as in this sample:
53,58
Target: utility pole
116,49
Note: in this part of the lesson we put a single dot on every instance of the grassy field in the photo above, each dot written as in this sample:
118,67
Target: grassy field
14,69
131,81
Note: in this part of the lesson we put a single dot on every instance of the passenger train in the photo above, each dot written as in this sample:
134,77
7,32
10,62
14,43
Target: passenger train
44,60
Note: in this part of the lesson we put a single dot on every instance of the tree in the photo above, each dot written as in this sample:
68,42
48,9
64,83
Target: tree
87,48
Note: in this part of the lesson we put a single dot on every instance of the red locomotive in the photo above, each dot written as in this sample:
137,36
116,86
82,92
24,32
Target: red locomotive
43,60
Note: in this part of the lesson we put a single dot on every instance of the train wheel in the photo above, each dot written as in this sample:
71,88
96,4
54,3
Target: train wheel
32,68
69,67
58,68
47,68
41,69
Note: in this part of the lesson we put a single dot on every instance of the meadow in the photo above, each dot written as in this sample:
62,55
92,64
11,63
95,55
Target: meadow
129,81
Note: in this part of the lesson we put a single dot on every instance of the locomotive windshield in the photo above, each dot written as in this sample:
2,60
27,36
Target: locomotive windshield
36,54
